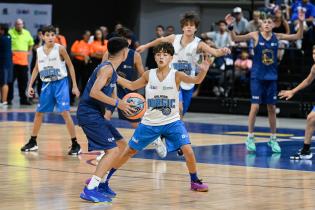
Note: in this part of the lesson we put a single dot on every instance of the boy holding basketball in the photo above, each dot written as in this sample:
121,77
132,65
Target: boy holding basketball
162,115
101,134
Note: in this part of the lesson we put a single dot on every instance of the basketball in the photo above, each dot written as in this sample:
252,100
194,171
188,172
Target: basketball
139,105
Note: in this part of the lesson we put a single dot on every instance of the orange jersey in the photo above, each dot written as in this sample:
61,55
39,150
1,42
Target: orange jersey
61,40
81,47
97,47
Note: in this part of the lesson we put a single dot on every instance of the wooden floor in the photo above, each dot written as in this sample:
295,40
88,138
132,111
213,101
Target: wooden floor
50,179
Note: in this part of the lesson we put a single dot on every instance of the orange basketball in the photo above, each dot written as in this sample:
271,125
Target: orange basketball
139,105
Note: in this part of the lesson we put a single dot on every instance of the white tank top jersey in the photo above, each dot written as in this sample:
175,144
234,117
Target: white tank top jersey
51,67
185,58
162,100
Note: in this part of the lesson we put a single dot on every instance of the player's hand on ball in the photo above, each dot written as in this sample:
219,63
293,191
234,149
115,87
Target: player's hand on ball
126,107
30,92
286,94
76,91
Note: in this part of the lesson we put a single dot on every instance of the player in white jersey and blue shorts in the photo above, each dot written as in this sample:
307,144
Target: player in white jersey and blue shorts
186,46
51,66
162,115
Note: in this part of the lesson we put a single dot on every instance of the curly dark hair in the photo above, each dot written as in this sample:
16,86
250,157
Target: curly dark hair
164,47
190,17
49,28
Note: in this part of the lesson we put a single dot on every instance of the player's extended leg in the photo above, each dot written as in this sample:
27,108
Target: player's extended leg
273,127
250,141
75,146
196,183
32,143
306,153
93,192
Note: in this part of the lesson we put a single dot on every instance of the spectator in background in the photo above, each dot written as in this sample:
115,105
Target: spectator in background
22,43
242,65
38,41
60,39
97,49
308,8
170,30
281,26
254,24
150,61
240,24
104,30
6,72
80,52
221,38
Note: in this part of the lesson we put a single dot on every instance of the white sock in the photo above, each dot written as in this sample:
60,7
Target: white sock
250,135
273,136
95,181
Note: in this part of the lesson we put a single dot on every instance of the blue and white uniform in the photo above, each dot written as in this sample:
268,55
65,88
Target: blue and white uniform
55,87
162,114
184,60
264,73
101,134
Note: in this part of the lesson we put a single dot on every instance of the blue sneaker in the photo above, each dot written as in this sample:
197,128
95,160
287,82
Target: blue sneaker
94,195
104,188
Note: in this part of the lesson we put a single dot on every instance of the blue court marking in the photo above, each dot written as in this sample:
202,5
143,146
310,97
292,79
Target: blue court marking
236,154
191,127
230,154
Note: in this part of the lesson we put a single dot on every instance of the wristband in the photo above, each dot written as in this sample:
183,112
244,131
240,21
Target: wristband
230,27
117,102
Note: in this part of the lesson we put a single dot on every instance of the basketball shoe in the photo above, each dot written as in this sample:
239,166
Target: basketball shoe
104,188
302,155
198,186
274,145
250,144
94,195
160,147
75,149
30,146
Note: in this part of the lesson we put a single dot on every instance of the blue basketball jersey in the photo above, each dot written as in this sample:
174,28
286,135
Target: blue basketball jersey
265,59
126,70
90,105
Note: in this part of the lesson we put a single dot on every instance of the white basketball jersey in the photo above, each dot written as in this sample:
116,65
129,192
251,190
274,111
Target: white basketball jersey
185,58
162,100
51,67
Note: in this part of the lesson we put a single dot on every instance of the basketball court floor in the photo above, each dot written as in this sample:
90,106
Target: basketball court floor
50,179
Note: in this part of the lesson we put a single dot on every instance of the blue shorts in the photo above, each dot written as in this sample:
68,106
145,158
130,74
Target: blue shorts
53,94
175,134
263,91
185,98
101,133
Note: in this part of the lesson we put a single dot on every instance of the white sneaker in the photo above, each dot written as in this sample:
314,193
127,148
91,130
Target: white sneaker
160,147
4,105
99,157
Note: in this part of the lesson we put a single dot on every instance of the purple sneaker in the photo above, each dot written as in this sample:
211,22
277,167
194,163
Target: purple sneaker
199,186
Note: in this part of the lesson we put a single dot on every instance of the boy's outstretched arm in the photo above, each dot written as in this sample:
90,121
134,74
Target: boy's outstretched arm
155,42
288,94
134,85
